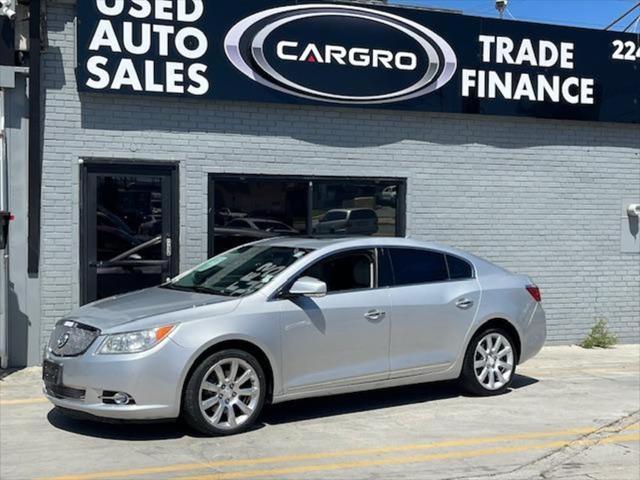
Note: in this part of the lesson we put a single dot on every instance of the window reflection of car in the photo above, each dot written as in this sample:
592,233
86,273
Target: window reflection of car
225,215
111,241
234,234
152,226
133,269
109,219
115,236
271,226
226,238
350,221
389,195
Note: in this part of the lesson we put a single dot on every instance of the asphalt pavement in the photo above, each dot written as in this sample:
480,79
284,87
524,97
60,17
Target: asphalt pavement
572,414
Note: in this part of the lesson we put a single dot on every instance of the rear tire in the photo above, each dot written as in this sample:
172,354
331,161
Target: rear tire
489,363
225,394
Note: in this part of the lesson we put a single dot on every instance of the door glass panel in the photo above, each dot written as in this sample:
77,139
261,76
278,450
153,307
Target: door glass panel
459,269
354,208
412,266
129,233
247,210
344,272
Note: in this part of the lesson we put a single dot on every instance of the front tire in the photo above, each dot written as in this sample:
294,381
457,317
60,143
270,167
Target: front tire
225,394
489,363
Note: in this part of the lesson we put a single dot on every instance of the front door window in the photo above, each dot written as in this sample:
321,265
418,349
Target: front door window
345,272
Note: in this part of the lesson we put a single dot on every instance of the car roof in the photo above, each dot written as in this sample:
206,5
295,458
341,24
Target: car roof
335,243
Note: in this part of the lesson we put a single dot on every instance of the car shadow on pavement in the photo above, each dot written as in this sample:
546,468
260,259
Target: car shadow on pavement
115,430
319,407
288,412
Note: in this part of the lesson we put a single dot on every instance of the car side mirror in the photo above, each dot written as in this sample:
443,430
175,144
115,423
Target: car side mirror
308,287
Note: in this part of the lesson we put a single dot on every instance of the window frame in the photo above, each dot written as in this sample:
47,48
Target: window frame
399,182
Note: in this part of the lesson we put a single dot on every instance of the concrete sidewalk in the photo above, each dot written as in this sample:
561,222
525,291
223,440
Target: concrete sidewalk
572,414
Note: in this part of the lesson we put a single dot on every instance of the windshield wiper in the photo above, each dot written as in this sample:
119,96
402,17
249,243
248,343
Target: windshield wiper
209,291
195,288
173,286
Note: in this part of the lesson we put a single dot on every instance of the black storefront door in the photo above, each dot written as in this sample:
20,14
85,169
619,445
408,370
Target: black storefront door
129,217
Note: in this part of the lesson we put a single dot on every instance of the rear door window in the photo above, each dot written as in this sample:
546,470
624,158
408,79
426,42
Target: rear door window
414,266
459,269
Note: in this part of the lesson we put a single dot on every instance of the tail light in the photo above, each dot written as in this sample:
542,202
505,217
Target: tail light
534,291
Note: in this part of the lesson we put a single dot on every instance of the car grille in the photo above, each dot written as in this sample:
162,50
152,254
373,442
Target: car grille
70,339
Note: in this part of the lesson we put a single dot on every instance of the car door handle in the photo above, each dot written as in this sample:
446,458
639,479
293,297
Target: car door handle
374,315
464,303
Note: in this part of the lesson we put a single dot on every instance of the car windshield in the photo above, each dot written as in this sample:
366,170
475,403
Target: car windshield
238,272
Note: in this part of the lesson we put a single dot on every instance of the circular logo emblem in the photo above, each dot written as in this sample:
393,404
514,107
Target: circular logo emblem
63,340
340,54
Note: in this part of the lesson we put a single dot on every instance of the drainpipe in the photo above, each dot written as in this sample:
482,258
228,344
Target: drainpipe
4,254
35,136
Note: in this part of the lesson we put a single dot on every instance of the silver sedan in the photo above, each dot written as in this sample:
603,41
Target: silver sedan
282,319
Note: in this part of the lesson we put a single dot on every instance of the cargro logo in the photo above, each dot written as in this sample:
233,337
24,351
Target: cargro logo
340,54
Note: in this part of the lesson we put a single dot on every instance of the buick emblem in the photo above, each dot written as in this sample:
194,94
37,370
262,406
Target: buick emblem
340,54
62,341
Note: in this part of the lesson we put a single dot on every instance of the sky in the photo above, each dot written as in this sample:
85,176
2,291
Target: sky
579,13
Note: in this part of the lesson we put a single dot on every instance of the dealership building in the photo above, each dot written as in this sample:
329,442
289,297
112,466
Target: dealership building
142,137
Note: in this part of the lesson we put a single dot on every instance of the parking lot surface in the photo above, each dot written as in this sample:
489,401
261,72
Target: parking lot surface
572,414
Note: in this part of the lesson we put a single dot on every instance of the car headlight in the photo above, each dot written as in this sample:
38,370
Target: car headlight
135,342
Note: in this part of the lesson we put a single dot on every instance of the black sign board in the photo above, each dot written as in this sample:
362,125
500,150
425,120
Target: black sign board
356,55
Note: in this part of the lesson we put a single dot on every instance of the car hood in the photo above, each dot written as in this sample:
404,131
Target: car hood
153,302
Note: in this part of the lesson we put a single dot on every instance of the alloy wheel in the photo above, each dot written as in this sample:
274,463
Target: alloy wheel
493,361
229,393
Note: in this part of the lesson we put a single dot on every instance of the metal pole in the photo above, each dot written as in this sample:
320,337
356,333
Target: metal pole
35,138
3,164
4,255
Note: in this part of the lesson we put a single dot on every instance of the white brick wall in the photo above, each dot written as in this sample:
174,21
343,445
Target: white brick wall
538,197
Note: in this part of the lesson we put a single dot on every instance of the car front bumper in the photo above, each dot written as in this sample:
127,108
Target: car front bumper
153,379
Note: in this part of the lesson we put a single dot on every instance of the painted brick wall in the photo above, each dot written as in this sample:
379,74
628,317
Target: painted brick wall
538,197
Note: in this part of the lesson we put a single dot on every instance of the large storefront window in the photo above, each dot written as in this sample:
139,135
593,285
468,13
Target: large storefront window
248,208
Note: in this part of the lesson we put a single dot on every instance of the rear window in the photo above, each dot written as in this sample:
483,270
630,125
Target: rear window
413,266
459,269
